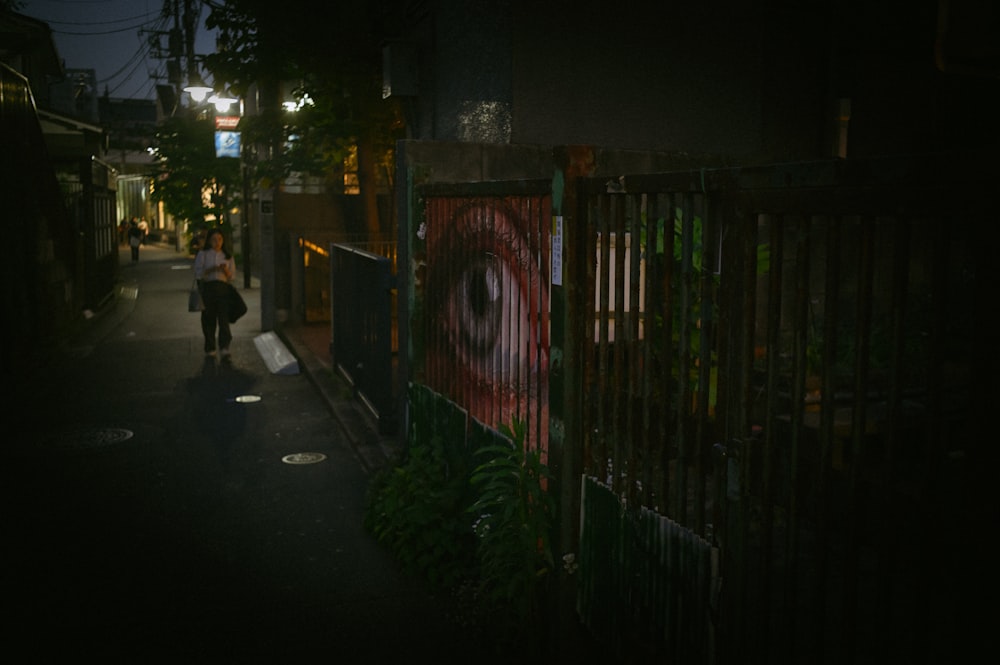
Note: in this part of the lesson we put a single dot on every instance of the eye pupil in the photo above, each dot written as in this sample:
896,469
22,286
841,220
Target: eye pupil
483,289
480,304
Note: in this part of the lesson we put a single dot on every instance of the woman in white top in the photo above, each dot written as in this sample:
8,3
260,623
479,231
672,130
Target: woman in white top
214,268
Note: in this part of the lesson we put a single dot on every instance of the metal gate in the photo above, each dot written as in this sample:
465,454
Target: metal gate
761,381
482,315
781,361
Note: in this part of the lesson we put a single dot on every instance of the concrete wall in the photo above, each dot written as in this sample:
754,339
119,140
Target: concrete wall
447,161
752,82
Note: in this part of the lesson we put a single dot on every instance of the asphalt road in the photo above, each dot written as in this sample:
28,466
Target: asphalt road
153,517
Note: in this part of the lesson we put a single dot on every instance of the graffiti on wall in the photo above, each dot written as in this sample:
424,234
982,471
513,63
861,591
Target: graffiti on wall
486,289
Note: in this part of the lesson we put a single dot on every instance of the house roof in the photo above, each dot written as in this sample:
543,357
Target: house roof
55,123
70,137
26,43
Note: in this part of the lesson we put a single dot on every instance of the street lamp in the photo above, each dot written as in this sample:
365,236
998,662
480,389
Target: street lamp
222,100
199,91
196,88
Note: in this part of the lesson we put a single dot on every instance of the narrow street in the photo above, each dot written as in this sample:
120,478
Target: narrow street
154,516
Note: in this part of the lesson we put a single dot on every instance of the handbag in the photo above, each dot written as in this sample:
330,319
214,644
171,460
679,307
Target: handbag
237,306
195,303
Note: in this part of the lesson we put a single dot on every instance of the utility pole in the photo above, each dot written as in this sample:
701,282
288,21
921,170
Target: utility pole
175,41
190,31
182,64
269,101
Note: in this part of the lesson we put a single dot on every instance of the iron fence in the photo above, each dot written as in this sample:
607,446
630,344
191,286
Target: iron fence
781,360
481,323
765,376
363,346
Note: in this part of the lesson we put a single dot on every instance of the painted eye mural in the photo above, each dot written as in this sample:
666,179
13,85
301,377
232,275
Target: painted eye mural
487,302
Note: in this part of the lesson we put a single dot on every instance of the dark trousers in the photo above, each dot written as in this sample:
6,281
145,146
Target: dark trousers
215,295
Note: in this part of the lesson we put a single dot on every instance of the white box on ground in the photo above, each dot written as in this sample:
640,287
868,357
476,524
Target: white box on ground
276,355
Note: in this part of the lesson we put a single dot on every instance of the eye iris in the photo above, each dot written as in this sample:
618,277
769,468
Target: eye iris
484,291
480,303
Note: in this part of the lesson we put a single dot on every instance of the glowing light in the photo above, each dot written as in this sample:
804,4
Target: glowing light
196,88
222,101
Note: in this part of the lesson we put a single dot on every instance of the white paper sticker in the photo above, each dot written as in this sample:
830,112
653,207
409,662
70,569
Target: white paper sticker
557,245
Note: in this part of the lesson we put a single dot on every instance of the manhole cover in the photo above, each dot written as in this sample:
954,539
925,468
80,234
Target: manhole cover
303,458
90,438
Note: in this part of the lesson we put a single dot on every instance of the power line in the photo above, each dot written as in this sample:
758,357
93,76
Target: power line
157,21
127,78
135,62
86,23
104,32
137,58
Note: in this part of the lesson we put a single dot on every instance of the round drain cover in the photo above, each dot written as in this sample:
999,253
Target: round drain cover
303,458
90,438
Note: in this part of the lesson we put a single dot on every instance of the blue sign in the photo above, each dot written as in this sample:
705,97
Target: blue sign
227,144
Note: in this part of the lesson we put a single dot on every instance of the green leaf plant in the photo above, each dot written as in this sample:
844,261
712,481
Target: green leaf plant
478,524
416,509
669,235
513,522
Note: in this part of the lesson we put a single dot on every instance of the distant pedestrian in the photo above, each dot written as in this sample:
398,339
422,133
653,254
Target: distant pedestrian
134,240
144,229
123,232
214,268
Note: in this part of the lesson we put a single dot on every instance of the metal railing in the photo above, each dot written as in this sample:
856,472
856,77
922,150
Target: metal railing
765,376
782,363
481,324
362,317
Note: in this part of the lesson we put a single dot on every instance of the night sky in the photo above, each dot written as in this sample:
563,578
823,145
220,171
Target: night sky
112,37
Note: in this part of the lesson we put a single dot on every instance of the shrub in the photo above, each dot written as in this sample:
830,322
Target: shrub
417,510
513,522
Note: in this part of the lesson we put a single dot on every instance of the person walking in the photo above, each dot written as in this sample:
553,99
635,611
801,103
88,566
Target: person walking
214,269
134,239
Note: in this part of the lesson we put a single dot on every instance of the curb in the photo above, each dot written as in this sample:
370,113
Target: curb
374,450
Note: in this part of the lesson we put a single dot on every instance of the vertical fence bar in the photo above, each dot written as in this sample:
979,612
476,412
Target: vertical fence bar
646,377
665,364
826,508
539,337
888,541
496,364
865,270
485,312
589,321
746,445
800,274
707,359
790,550
684,355
603,383
775,224
633,395
619,370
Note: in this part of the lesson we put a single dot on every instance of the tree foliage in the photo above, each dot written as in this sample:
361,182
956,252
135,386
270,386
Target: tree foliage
191,181
335,63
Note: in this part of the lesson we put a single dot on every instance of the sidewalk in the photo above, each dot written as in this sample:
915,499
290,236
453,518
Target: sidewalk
153,505
160,518
310,344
